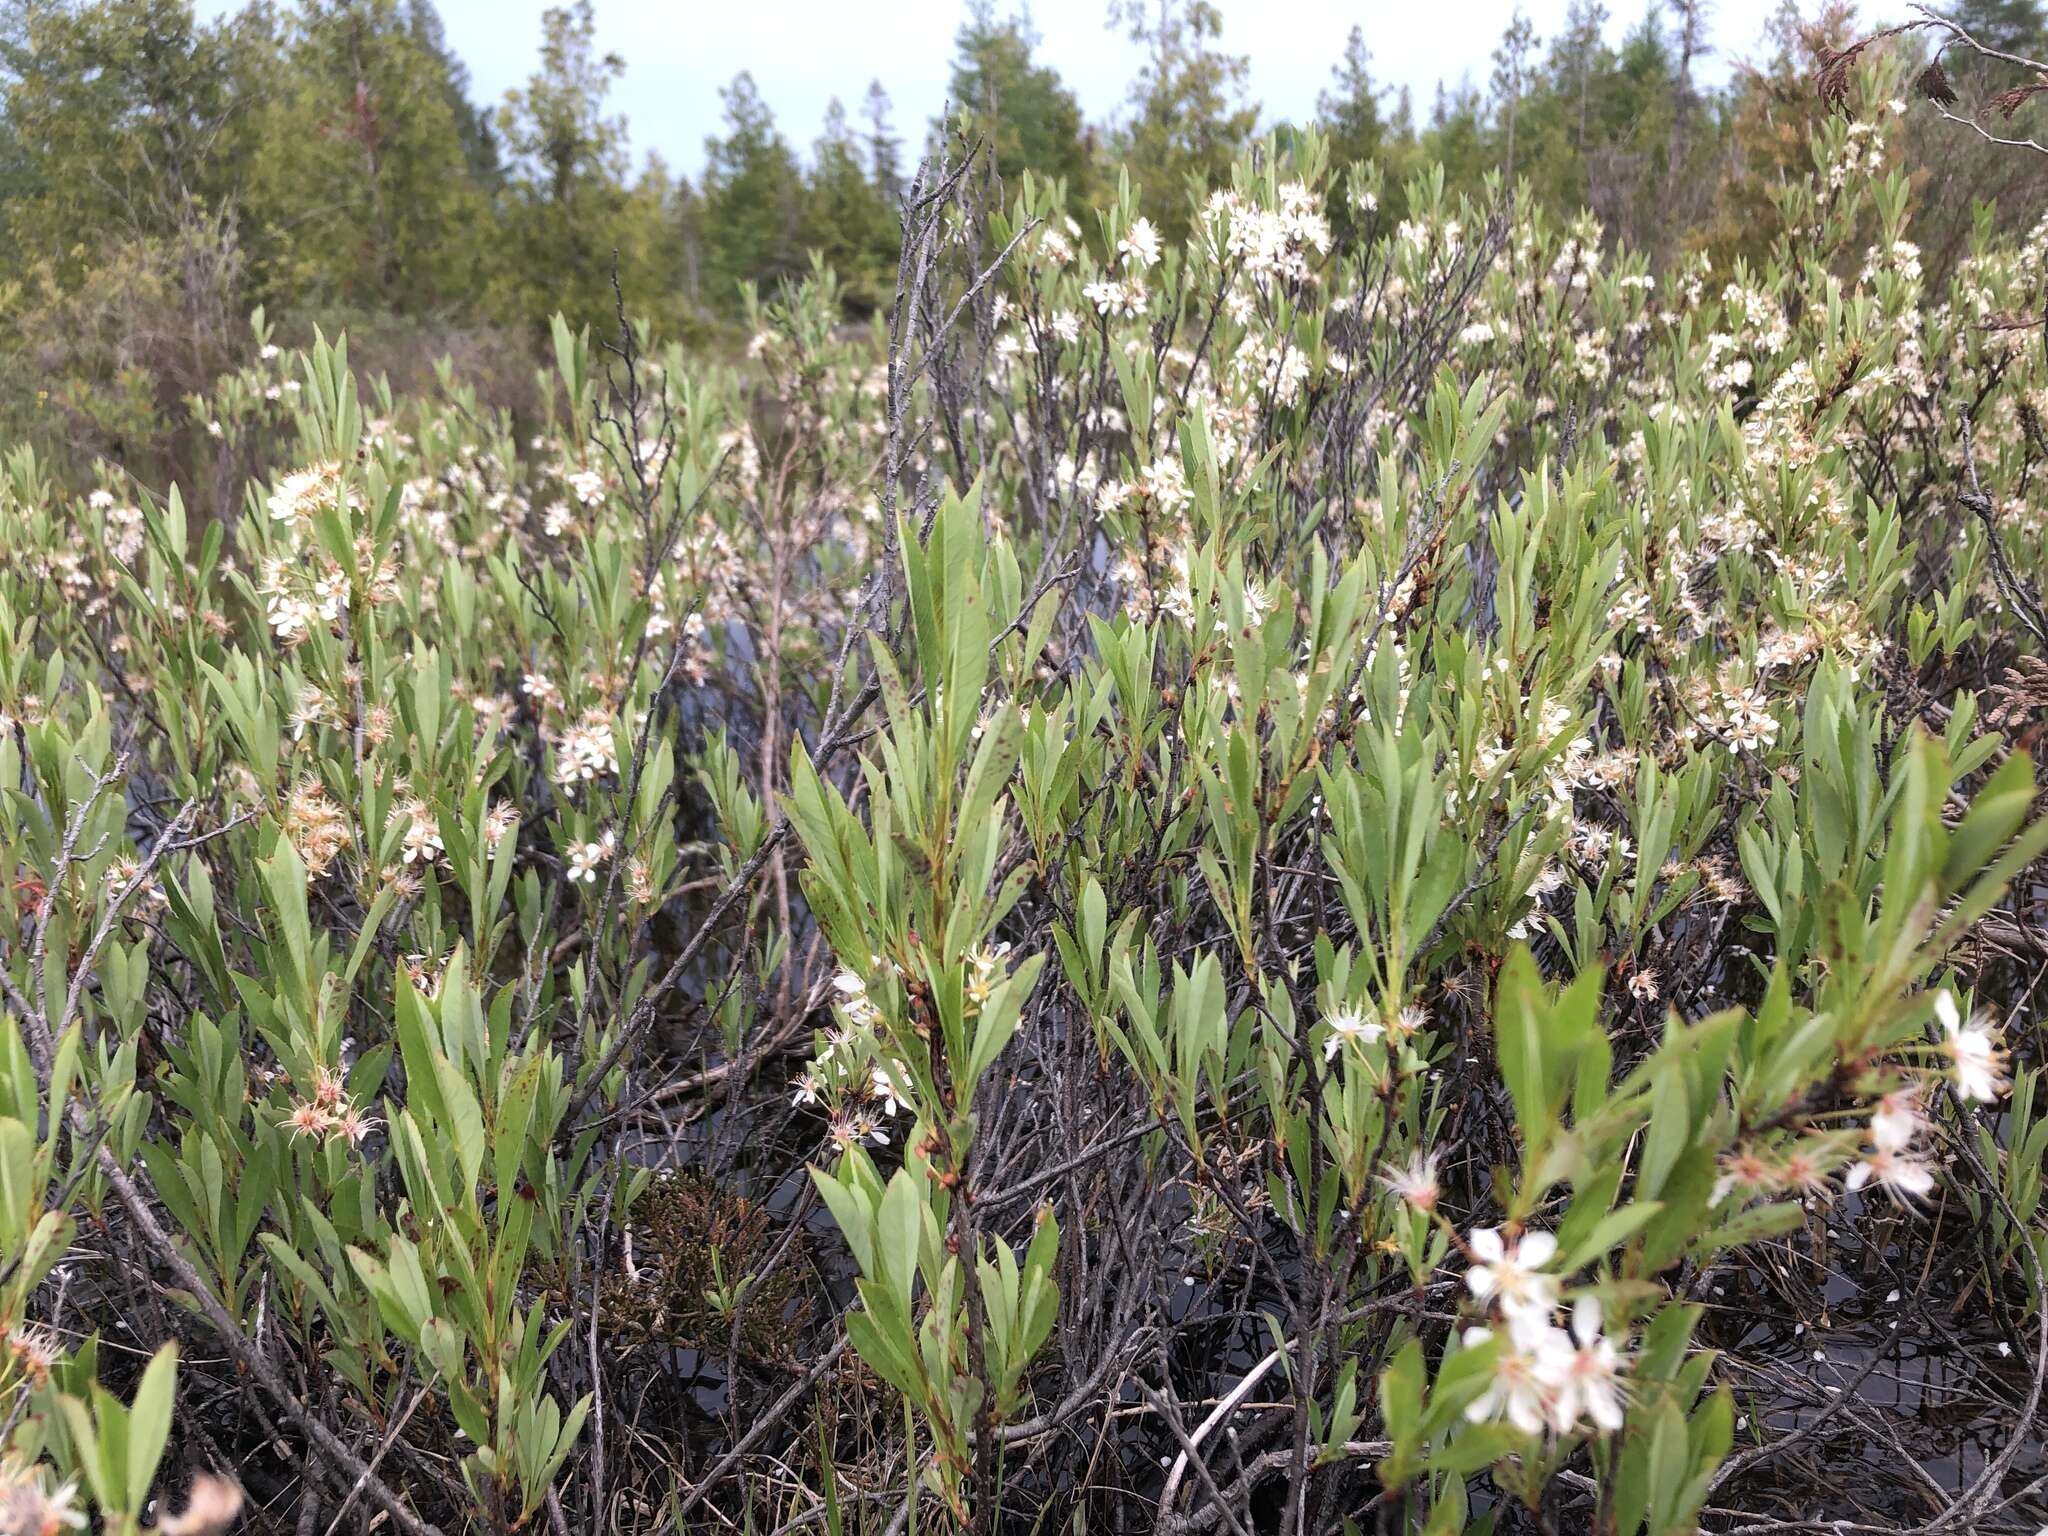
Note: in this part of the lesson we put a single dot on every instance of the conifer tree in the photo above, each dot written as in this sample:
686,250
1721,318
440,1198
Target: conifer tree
753,200
1189,112
1029,118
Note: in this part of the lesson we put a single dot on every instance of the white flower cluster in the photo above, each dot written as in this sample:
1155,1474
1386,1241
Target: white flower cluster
586,750
1272,242
1894,1157
1117,298
1276,371
584,858
1862,155
1547,1377
124,526
862,1089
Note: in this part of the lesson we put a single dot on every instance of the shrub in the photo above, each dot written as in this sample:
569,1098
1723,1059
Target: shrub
1240,874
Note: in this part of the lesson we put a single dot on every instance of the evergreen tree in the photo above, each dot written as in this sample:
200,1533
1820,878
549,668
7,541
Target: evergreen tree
472,122
885,150
1350,115
2011,26
753,200
1455,138
1349,112
125,119
362,190
1774,114
1577,59
1189,113
1030,120
1511,79
124,126
848,222
569,207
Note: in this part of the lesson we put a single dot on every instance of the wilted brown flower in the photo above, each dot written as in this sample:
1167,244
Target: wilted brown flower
1831,79
1933,83
2006,103
2018,694
1837,67
315,827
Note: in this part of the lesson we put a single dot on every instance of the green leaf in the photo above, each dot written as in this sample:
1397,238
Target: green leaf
149,1423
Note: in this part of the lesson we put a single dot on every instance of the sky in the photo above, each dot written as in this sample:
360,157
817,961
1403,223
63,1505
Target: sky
802,53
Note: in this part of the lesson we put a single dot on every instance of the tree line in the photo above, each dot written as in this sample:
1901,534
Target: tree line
162,176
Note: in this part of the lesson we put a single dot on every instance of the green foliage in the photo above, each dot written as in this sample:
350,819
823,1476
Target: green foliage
1400,784
1189,119
1019,108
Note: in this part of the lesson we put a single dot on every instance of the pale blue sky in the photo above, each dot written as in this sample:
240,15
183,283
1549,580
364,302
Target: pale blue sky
804,52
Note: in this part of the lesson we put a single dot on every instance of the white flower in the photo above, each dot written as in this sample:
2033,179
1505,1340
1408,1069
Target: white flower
1517,1389
1166,482
422,842
1979,1065
586,750
1349,1024
859,1008
1583,1371
1751,727
331,589
583,861
1902,1177
289,617
32,1502
1510,1276
1141,244
1258,602
306,491
1416,1182
1116,298
1897,1122
882,1086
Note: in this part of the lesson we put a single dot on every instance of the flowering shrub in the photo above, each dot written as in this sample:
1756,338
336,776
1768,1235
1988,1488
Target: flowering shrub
1228,877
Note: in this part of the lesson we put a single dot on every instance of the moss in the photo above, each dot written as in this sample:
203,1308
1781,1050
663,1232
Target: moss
689,1238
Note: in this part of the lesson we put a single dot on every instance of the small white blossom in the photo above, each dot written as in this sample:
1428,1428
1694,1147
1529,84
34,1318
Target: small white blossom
1583,1371
584,859
1141,244
1903,1177
1517,1391
1977,1062
1512,1276
1349,1025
